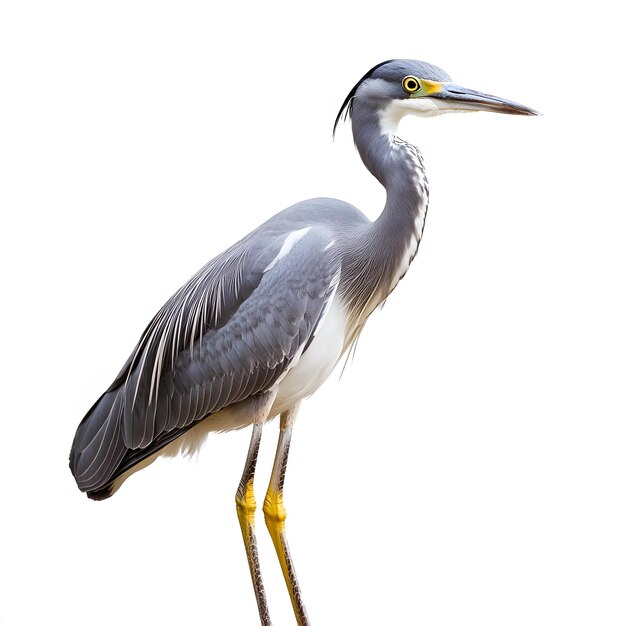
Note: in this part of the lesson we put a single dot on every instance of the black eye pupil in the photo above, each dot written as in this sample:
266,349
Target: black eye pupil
411,84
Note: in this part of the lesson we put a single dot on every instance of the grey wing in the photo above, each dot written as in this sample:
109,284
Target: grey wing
230,333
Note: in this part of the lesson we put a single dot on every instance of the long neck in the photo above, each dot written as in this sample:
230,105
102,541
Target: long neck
391,242
399,167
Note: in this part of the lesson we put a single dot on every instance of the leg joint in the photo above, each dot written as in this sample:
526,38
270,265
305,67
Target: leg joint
273,507
244,498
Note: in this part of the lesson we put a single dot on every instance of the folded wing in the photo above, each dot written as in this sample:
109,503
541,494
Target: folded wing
228,334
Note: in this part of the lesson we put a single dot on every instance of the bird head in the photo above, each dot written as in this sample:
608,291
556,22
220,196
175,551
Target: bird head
405,87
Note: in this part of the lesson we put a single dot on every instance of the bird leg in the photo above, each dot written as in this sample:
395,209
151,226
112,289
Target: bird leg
275,515
246,503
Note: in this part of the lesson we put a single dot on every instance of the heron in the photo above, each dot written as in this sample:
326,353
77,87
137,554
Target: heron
262,325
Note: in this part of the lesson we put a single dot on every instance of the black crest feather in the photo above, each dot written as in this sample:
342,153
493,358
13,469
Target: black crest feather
346,107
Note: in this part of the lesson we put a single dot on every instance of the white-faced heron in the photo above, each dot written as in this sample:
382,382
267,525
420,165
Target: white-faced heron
263,324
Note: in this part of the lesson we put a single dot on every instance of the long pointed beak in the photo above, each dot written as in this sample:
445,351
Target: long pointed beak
455,97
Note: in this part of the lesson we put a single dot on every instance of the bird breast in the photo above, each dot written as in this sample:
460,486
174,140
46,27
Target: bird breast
317,362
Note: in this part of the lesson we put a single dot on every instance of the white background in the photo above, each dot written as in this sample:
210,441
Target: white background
469,466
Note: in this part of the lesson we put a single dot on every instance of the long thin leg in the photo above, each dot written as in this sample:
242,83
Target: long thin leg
246,505
275,515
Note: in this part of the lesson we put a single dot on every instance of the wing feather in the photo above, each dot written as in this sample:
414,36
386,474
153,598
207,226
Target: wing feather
228,334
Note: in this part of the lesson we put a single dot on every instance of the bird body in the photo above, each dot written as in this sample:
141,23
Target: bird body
299,335
307,261
262,325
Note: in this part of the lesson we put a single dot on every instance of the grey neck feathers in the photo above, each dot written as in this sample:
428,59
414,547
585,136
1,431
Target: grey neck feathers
392,240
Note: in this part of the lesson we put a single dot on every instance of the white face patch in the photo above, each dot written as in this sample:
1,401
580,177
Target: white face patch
391,115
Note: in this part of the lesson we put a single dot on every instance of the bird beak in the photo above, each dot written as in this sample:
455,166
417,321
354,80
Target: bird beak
456,98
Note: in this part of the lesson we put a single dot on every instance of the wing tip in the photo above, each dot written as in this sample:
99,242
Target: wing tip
101,494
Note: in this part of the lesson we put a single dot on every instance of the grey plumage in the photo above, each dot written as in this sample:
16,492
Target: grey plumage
244,323
262,325
227,334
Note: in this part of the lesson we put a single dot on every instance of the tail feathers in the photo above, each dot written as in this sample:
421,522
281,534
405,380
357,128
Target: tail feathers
98,446
101,494
100,459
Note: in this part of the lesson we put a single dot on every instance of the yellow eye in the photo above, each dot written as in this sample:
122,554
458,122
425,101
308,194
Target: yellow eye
410,84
